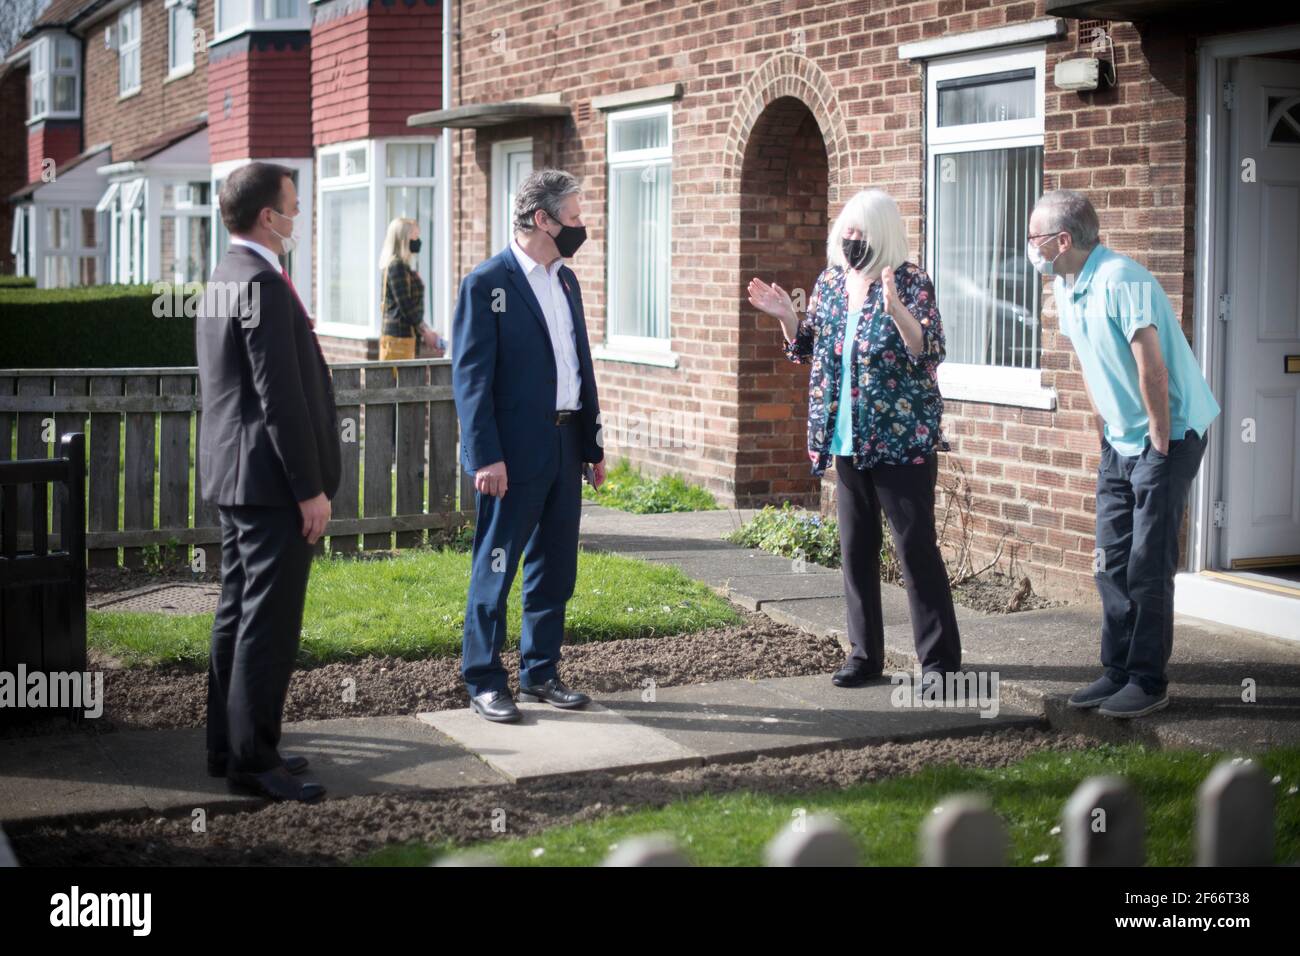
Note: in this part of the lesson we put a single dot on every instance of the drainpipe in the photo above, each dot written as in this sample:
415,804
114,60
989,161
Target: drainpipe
444,165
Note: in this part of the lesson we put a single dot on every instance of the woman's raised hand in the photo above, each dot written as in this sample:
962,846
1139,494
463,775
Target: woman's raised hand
775,301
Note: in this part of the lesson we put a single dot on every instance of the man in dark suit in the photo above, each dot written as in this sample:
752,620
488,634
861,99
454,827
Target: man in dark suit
529,419
270,459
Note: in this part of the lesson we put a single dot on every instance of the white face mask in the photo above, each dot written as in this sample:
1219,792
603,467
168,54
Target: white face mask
289,242
1039,261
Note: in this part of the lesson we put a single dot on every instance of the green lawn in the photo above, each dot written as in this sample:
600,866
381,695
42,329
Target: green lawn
885,817
413,606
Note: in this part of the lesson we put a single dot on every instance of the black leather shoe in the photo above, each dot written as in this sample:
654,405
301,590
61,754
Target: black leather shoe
292,762
554,693
854,675
495,705
277,784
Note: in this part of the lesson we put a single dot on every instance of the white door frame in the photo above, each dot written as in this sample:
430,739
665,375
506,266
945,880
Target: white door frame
1211,222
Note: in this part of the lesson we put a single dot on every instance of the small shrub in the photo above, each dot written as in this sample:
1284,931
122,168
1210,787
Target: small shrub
632,491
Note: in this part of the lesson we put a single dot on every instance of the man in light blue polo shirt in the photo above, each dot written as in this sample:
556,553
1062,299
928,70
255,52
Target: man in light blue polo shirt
1152,406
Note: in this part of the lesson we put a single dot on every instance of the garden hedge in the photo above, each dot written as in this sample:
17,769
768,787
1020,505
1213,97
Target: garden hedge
102,326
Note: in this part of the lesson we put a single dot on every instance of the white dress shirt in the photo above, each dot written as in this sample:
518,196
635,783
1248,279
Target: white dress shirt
260,249
546,286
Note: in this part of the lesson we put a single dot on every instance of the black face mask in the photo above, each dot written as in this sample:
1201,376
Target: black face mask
857,252
569,239
413,245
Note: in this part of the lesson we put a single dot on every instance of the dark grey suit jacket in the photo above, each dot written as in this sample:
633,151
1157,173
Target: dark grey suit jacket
270,429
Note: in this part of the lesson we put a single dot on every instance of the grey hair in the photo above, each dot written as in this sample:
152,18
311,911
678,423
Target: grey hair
543,189
1070,211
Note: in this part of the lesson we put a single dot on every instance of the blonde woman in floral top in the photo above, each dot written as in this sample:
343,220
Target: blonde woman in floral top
874,339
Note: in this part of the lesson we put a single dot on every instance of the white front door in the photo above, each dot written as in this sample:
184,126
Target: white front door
511,163
1261,420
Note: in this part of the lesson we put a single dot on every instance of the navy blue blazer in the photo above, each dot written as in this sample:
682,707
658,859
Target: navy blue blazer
503,371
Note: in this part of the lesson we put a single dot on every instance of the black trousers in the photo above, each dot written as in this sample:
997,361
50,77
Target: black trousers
1140,502
906,493
265,562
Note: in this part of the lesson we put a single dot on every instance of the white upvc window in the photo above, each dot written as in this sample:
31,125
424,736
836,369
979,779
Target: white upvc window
123,202
184,230
236,16
410,191
54,88
346,241
72,242
639,177
297,263
984,172
362,187
128,50
180,37
20,242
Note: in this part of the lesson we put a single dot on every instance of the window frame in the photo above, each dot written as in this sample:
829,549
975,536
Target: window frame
639,349
129,12
174,7
43,68
376,181
962,381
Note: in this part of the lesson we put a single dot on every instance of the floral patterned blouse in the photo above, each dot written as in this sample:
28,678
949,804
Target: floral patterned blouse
897,407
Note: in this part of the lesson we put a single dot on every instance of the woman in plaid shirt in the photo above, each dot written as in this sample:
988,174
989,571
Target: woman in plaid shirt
402,296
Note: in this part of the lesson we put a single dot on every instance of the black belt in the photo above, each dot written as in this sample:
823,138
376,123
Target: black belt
566,416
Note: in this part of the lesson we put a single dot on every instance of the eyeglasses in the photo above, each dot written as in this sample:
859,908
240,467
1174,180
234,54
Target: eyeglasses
1045,235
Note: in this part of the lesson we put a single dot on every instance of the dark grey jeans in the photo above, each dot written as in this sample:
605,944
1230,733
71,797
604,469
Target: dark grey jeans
1140,501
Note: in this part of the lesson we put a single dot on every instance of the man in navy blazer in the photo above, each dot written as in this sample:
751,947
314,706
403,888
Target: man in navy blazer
529,421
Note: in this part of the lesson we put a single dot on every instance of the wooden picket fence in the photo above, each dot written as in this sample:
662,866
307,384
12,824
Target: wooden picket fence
399,438
1102,824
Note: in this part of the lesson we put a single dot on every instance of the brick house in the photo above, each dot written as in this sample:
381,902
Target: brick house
172,95
717,141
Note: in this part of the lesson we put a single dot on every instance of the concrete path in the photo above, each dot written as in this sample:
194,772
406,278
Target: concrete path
1040,656
1037,657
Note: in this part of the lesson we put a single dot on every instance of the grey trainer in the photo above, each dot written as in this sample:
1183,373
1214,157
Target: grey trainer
1095,693
1133,701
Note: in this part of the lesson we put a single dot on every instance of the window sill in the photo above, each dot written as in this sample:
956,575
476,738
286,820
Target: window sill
178,74
1021,388
128,94
663,359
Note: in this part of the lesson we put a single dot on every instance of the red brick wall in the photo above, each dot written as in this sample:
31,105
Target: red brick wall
59,140
162,104
1032,473
267,82
373,67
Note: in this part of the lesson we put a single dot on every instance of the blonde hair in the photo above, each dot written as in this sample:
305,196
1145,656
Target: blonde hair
396,244
874,213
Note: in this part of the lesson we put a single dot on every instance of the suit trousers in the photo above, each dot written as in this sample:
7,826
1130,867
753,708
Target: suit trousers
265,562
906,494
1140,502
538,521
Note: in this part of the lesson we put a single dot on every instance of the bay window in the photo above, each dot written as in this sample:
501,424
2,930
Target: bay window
362,187
54,88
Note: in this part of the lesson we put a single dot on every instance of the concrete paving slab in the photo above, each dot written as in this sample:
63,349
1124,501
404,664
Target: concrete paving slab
61,774
874,711
165,770
549,742
730,719
755,591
